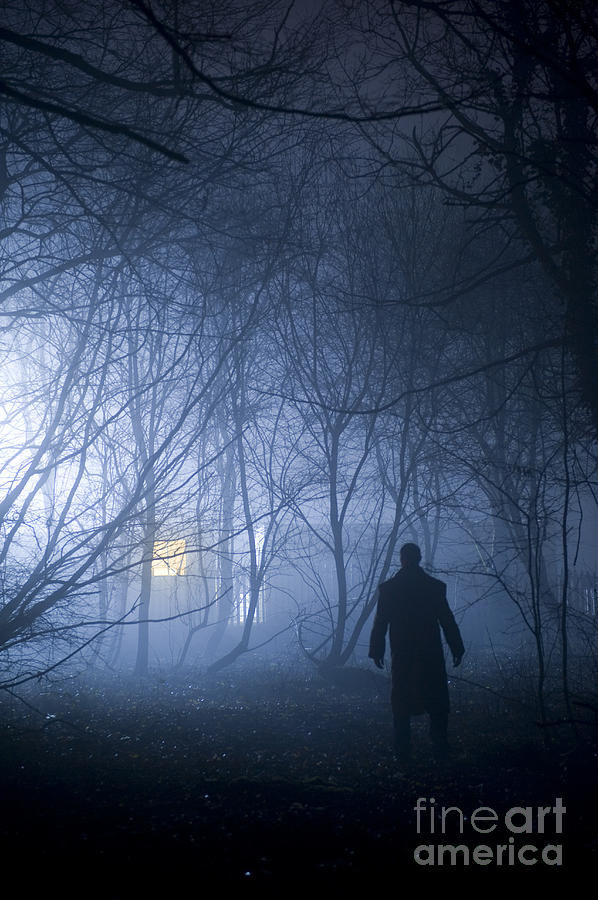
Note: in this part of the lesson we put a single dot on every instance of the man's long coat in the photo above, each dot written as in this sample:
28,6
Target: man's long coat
413,606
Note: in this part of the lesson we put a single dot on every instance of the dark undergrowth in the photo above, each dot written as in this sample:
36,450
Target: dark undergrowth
121,788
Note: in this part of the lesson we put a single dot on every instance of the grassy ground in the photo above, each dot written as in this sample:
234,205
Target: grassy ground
269,779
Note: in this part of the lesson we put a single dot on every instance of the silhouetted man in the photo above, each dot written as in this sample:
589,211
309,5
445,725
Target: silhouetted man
413,605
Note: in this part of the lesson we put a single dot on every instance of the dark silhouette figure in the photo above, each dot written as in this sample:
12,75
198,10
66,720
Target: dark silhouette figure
412,605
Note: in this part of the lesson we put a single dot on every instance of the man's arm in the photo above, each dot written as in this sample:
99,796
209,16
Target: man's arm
378,635
450,629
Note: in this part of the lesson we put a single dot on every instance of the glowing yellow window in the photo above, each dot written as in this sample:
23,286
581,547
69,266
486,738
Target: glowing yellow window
169,558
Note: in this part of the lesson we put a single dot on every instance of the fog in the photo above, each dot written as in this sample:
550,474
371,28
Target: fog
285,288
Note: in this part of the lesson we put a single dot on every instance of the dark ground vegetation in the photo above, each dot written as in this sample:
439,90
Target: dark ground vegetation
264,776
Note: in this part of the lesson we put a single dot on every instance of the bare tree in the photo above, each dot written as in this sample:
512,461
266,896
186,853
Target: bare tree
515,144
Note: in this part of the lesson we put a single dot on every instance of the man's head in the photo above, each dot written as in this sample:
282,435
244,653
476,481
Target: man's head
410,555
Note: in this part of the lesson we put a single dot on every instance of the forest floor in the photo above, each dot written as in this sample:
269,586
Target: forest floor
275,779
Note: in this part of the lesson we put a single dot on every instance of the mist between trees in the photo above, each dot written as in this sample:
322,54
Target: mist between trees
283,287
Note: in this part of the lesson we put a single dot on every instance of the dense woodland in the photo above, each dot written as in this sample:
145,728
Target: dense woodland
284,285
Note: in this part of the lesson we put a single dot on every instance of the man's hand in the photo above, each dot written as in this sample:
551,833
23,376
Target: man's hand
379,662
457,660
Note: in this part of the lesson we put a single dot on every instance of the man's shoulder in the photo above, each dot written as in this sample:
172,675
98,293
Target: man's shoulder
435,581
434,586
402,574
420,581
390,583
